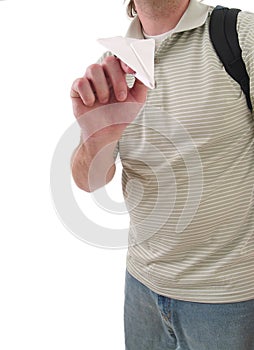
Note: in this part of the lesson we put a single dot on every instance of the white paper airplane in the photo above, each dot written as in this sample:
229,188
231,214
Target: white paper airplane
138,54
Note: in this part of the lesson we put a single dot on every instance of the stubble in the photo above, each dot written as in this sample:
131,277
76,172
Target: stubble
158,8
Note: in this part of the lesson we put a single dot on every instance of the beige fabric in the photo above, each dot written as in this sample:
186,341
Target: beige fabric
188,170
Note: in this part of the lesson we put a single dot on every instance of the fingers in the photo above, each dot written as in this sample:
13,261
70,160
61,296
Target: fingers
93,86
81,89
116,76
139,90
99,81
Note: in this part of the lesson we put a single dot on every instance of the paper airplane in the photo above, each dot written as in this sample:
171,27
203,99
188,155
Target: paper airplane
138,54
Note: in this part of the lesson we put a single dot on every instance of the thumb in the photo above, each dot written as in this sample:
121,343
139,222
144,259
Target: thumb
139,91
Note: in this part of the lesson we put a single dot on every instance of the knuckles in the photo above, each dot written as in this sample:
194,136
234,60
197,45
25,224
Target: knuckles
79,83
76,87
93,69
109,60
88,88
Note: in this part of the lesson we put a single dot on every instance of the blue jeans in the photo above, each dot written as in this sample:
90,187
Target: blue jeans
155,322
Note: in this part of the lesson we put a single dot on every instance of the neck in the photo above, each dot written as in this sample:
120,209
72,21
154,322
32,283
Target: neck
160,16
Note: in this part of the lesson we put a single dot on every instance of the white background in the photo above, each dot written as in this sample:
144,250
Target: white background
56,292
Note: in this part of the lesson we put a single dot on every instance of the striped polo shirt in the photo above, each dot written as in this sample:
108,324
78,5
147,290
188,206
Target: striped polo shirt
188,169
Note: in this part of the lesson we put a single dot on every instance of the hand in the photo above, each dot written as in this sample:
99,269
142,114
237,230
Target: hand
105,84
104,106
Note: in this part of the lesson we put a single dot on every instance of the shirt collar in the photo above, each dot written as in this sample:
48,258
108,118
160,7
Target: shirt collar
194,17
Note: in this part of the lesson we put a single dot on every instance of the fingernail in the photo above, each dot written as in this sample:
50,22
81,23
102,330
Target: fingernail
122,95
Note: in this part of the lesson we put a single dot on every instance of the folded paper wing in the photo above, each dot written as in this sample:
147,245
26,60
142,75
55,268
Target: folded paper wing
138,54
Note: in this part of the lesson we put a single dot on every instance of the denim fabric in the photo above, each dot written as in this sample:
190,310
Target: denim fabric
155,322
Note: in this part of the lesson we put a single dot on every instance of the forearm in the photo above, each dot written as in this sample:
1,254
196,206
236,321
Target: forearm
93,164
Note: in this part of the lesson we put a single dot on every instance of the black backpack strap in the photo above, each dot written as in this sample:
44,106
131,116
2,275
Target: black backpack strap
224,37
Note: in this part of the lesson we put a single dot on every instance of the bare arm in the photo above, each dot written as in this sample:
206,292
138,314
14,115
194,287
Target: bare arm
93,163
103,86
